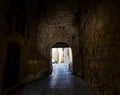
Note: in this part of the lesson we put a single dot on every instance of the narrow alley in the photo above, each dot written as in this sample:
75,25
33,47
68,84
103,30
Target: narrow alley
37,38
61,82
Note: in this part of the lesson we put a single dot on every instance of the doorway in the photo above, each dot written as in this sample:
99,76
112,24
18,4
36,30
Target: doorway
11,70
61,59
61,56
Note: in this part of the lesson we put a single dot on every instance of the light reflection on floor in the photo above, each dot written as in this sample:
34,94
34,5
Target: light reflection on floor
60,82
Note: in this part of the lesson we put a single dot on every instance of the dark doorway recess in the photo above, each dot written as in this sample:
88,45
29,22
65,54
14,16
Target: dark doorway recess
11,70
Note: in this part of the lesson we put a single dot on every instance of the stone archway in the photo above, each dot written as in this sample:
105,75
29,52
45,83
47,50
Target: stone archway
11,70
66,54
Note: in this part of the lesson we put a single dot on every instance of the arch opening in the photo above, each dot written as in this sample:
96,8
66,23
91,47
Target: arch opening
61,53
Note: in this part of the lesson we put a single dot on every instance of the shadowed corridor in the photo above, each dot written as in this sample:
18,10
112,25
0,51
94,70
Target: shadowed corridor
61,82
38,36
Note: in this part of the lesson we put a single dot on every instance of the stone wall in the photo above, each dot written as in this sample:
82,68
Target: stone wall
99,33
35,65
57,24
94,39
8,35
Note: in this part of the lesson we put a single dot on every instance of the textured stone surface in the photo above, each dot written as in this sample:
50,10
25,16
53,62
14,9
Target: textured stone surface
101,46
58,25
95,49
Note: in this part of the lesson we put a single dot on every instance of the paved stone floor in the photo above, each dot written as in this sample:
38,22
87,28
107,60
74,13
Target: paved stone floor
61,82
